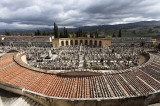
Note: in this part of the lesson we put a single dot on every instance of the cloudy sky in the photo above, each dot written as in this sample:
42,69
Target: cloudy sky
28,14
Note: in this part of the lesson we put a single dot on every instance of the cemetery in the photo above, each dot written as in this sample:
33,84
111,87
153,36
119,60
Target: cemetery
84,57
80,74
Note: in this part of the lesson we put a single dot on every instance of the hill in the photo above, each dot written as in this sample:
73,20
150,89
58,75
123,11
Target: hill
143,28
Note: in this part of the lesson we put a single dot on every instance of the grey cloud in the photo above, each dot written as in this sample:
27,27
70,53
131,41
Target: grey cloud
33,14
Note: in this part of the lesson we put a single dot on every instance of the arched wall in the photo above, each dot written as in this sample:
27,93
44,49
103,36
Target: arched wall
79,41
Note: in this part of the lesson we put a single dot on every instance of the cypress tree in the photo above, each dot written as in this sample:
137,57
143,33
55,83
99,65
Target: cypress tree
96,34
77,34
48,33
113,34
56,33
67,35
120,33
64,32
91,36
81,32
35,33
7,33
44,33
39,32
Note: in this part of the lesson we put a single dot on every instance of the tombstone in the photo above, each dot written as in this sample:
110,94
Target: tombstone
142,44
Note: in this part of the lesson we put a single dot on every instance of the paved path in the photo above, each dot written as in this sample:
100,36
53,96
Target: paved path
24,59
81,61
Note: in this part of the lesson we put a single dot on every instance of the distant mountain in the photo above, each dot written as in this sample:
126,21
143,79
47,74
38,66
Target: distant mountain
122,26
87,28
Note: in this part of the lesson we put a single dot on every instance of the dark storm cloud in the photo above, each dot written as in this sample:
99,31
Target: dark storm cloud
72,13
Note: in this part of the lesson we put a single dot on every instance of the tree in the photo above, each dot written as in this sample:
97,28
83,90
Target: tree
64,32
27,33
77,34
101,61
91,35
39,32
113,34
85,64
96,34
7,33
44,33
35,33
128,59
158,46
73,35
112,50
56,33
134,32
81,33
61,34
85,34
48,33
120,33
67,34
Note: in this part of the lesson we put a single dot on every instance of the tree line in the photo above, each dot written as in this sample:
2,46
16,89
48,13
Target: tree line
78,33
39,32
36,33
65,34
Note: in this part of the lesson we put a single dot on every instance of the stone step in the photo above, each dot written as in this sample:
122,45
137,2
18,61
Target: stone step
1,103
24,101
28,101
17,102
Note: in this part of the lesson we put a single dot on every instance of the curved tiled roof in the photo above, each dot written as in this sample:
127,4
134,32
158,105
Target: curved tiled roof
132,83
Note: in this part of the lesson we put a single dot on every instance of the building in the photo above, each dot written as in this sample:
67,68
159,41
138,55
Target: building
81,41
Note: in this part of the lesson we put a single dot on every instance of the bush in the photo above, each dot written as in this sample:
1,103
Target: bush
158,46
101,60
85,64
47,57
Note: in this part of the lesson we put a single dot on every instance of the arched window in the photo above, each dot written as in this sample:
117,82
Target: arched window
66,42
76,42
95,43
62,43
100,43
81,42
71,42
86,42
90,43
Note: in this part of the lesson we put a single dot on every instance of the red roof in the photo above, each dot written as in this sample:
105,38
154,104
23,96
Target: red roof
131,83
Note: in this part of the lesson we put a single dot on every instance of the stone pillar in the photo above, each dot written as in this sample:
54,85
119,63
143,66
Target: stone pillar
69,42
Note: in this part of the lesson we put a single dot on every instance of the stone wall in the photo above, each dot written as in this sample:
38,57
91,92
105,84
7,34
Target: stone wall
123,101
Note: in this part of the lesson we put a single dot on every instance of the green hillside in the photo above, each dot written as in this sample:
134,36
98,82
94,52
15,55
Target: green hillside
141,31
